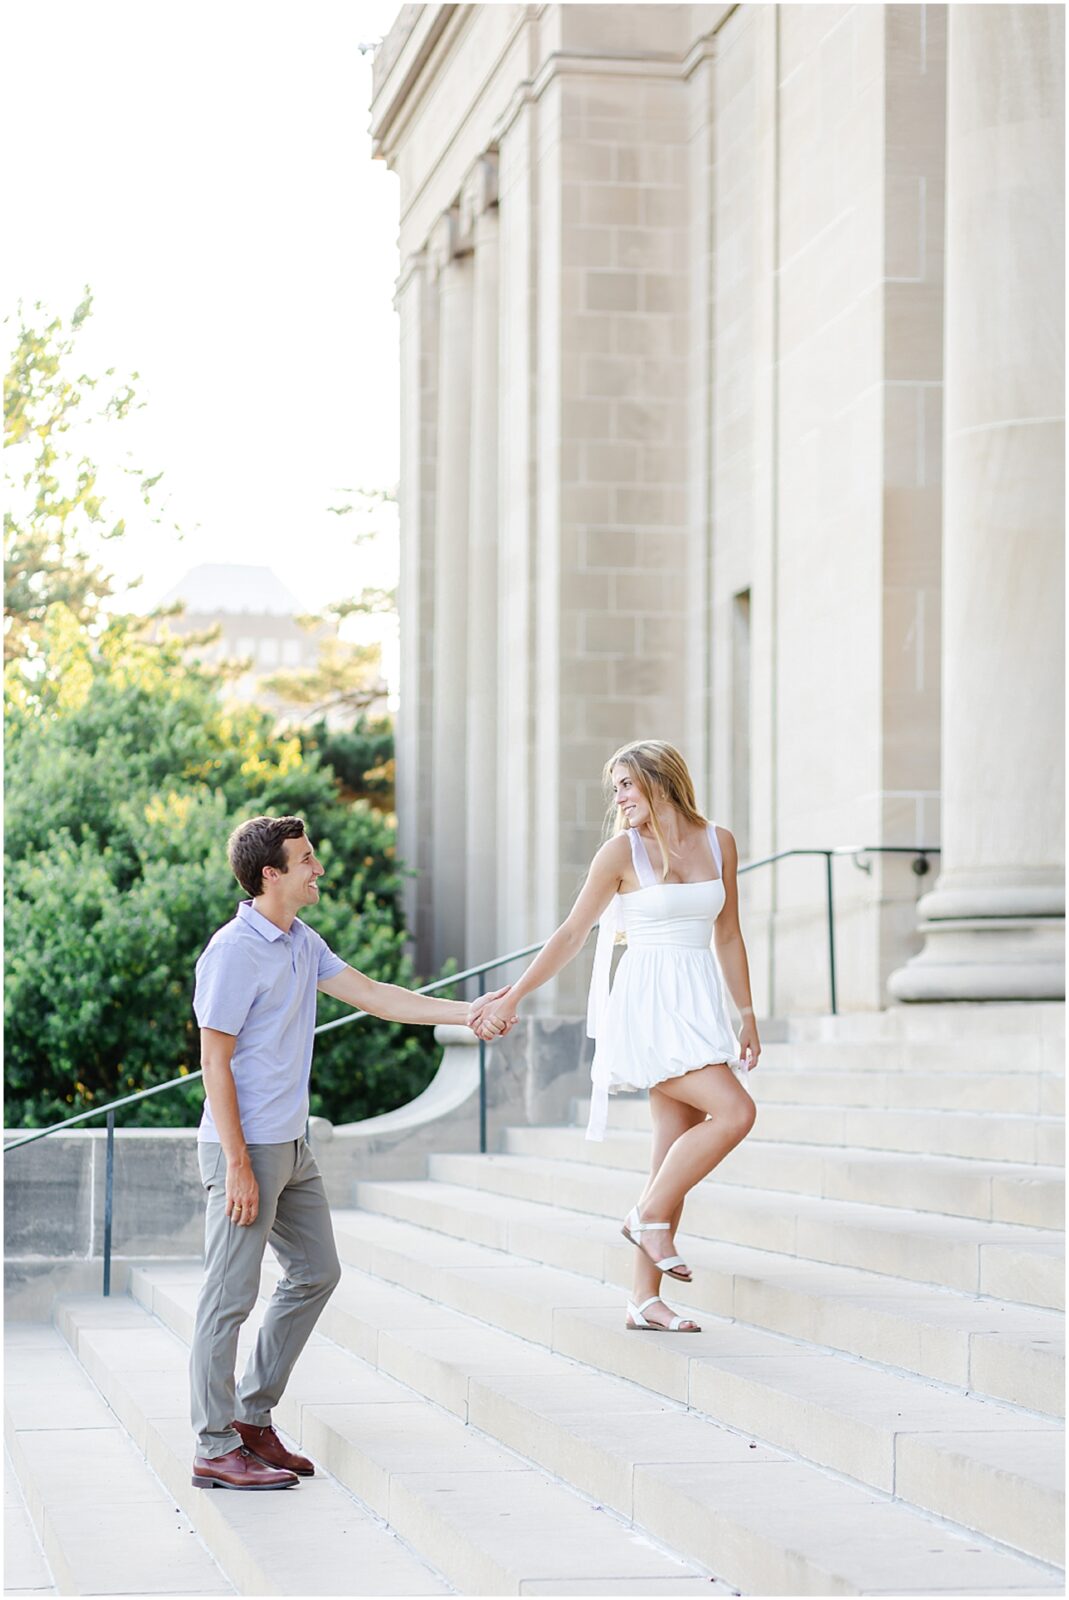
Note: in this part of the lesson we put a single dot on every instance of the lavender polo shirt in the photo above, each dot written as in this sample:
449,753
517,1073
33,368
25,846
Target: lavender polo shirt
259,983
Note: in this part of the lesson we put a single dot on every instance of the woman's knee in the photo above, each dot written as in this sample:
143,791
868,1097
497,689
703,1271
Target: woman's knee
742,1117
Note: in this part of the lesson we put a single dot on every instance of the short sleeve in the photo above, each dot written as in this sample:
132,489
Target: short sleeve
329,963
225,988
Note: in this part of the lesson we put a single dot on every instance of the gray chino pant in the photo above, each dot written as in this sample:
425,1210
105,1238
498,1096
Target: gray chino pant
294,1218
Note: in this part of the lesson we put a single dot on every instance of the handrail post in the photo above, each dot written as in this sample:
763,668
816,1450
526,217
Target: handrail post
831,933
109,1189
482,1097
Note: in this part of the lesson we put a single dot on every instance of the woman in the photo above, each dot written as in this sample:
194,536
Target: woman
667,879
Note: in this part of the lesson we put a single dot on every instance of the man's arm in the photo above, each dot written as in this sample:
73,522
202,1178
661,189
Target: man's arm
242,1191
396,1004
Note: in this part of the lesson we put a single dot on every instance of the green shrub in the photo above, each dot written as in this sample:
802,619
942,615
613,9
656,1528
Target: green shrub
125,775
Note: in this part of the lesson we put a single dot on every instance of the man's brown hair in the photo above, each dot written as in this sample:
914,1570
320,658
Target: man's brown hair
257,844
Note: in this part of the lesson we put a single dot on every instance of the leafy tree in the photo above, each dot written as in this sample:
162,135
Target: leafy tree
362,758
347,679
59,508
119,806
125,772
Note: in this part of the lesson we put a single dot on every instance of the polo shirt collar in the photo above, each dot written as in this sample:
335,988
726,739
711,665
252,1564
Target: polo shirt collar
267,929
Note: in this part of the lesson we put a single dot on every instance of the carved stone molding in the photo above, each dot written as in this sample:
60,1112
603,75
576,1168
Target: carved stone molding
443,244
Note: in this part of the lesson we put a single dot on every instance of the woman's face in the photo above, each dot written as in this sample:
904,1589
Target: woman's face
628,797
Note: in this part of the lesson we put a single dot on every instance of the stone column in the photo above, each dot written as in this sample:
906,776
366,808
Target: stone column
417,305
479,219
517,448
994,923
450,692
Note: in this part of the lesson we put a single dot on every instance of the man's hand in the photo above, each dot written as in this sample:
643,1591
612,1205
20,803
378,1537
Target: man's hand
479,1019
242,1193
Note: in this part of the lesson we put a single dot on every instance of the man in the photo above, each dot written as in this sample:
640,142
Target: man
255,1002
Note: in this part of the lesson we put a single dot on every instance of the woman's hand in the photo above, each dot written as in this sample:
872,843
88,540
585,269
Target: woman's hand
749,1043
489,1020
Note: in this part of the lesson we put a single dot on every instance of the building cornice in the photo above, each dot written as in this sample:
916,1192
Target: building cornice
404,53
577,63
419,48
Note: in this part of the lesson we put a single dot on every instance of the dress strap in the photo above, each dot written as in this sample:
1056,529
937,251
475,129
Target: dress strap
714,845
641,861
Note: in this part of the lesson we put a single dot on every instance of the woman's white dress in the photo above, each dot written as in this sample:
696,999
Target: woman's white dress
666,1012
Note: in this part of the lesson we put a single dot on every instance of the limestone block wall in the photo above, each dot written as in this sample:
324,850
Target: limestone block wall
672,307
829,188
612,504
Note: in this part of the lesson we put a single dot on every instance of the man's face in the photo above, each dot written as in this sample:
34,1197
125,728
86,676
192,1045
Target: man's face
303,870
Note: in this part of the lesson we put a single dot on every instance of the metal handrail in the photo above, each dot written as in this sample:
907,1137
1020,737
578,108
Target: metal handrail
919,852
324,1027
920,867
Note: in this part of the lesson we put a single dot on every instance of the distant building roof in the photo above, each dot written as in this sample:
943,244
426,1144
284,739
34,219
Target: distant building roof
216,586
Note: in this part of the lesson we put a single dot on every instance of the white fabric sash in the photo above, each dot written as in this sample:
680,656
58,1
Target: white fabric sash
597,1001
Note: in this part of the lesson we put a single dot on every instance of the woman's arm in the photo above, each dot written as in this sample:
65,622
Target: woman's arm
602,882
730,949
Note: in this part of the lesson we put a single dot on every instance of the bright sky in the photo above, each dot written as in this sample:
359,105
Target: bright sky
206,169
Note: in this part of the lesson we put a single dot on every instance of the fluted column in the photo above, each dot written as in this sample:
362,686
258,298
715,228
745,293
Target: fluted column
994,924
417,306
449,776
479,217
516,544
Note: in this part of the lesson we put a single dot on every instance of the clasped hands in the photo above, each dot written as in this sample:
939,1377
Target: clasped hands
489,1020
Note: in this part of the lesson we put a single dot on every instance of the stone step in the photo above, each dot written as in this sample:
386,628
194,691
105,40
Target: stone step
1006,1352
735,1498
1023,1265
319,1541
1038,1093
1009,1023
863,1420
996,1191
490,1522
1010,1136
25,1569
919,1058
105,1522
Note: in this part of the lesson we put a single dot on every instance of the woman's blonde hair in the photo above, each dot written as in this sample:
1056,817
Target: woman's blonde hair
659,773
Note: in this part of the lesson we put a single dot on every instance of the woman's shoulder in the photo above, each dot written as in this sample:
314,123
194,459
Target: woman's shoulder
615,852
726,841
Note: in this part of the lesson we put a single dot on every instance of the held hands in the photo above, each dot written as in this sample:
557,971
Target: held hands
488,1019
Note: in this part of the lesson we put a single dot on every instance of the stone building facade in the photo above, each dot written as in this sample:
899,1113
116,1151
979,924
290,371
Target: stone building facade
732,341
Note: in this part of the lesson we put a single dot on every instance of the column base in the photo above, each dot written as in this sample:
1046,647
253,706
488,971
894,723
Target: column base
985,958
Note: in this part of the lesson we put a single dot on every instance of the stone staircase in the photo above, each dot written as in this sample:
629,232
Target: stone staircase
873,1406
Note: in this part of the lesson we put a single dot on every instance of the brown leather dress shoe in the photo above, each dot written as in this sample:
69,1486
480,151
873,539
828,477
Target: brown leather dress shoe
265,1444
238,1469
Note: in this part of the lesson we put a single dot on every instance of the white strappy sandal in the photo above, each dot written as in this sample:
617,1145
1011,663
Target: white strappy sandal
637,1323
674,1266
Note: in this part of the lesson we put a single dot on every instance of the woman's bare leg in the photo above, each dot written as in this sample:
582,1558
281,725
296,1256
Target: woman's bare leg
728,1114
670,1119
